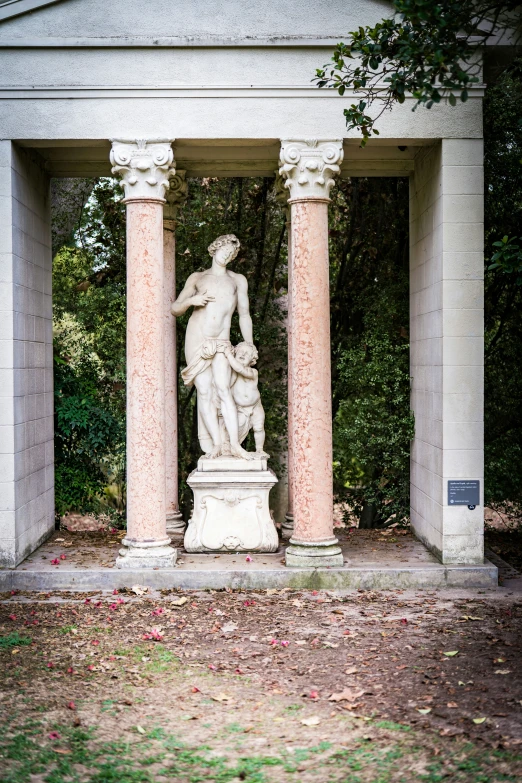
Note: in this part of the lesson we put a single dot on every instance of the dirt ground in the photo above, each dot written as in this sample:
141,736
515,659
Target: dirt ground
274,686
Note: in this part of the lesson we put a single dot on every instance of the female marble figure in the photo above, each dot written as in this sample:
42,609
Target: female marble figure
215,294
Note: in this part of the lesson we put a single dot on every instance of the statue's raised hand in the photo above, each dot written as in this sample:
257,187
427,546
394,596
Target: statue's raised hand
200,300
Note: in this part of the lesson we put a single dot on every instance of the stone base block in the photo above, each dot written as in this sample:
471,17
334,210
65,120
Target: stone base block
137,554
302,554
231,511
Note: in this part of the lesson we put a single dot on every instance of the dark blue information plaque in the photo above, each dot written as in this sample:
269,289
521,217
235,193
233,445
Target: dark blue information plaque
463,493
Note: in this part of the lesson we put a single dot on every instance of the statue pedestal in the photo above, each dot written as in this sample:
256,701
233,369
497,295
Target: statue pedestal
231,512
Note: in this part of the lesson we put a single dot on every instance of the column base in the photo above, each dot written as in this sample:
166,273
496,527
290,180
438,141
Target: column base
175,524
317,554
287,526
146,554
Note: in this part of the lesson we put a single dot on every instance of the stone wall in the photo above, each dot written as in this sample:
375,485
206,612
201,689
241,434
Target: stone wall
446,314
26,374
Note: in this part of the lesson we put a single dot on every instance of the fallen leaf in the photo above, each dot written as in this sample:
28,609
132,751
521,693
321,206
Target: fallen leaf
140,729
229,627
451,653
313,720
139,589
348,694
424,710
452,704
503,671
180,601
352,670
222,697
478,721
63,751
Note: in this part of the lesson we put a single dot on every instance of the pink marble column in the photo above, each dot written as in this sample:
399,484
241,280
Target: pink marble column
145,169
176,196
287,527
308,168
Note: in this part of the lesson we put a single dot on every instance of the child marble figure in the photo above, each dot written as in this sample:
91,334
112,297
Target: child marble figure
245,393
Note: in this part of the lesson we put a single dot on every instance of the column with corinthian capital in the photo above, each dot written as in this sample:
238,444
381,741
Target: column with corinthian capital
176,197
145,169
282,195
308,168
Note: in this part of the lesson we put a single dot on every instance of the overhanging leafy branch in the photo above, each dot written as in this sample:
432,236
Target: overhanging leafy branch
426,50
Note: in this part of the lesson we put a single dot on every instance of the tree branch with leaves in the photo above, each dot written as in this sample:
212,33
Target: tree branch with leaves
427,50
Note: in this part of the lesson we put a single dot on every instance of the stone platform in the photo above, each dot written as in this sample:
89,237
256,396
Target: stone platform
372,561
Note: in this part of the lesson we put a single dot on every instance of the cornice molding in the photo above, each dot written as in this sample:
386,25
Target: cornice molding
78,92
172,42
13,8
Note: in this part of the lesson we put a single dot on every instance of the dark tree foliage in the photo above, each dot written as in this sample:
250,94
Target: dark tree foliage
426,49
503,298
373,424
89,357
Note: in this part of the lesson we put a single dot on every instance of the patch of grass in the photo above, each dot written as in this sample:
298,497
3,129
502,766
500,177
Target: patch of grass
14,639
391,726
157,733
26,753
67,629
162,660
294,707
234,728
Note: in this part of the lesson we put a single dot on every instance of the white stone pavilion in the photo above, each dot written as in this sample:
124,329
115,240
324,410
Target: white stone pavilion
166,89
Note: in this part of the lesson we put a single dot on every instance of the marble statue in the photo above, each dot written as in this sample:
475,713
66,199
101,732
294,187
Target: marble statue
231,486
229,403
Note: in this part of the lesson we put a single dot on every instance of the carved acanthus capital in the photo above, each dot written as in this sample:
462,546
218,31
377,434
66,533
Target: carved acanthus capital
309,167
176,195
281,194
145,168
